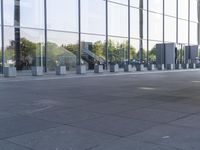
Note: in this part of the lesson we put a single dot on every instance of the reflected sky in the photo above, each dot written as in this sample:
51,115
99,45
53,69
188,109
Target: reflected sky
62,15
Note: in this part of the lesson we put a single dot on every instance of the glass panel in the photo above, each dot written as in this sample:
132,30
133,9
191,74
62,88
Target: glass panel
183,9
117,20
93,16
120,1
135,23
9,44
118,51
134,53
1,64
155,26
9,12
156,5
152,51
183,31
32,13
193,33
170,29
194,10
135,3
62,50
170,7
180,54
27,13
93,50
59,17
24,51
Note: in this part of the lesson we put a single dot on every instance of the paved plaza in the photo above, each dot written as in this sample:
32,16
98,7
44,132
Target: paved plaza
144,111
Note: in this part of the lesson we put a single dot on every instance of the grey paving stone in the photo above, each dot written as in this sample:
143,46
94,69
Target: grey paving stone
115,125
5,145
161,116
108,108
173,136
66,116
178,107
192,121
136,102
63,138
14,126
5,115
125,144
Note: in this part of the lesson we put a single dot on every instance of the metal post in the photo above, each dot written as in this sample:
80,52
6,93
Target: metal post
163,21
189,23
2,36
45,35
79,32
141,30
177,22
148,31
106,44
17,33
129,31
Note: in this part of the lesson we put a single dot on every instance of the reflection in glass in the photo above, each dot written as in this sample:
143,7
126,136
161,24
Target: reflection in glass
62,15
183,31
183,9
117,20
120,1
156,6
138,52
170,29
1,62
194,10
118,51
93,50
155,26
152,51
30,51
193,33
27,13
93,16
62,50
170,7
135,23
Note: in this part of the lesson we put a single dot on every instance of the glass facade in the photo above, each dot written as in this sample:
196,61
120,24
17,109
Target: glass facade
72,32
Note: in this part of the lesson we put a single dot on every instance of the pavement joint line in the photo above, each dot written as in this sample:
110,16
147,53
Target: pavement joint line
43,78
20,145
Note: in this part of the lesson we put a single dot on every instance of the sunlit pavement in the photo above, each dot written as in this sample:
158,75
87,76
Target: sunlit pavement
124,111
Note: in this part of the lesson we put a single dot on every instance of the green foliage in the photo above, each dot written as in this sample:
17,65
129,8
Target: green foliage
98,49
152,54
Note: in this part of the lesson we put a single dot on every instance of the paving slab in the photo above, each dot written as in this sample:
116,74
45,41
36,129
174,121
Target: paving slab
6,145
66,116
192,121
63,138
161,116
125,144
118,126
174,136
19,125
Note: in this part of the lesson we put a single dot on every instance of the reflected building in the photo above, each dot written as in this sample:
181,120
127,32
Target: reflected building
73,32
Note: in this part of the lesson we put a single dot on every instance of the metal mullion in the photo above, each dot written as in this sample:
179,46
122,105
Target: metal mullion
79,32
177,22
163,21
129,31
2,36
148,31
106,44
45,34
